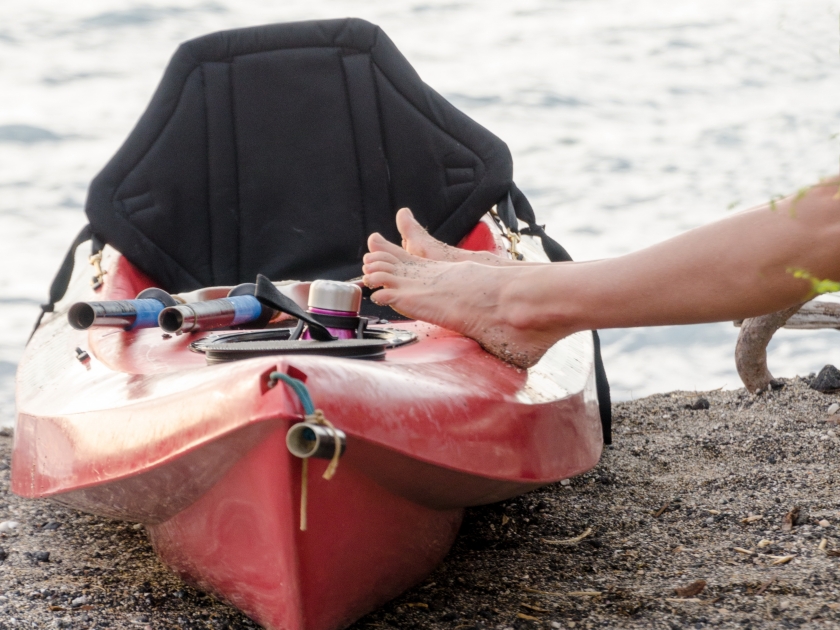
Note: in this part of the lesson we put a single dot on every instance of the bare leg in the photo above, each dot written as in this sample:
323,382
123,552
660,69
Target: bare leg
732,269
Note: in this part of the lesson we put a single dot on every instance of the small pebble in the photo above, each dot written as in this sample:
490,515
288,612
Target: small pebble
41,556
565,482
828,380
824,523
7,526
832,409
79,601
700,403
802,518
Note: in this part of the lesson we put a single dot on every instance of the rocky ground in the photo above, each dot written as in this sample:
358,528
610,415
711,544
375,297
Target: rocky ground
720,517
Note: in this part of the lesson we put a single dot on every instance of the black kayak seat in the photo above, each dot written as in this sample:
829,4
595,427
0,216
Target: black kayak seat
278,149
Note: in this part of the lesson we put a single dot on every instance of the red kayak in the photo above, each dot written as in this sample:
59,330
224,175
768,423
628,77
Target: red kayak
137,426
273,152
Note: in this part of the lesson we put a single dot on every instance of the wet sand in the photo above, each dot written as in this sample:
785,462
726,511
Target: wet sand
681,525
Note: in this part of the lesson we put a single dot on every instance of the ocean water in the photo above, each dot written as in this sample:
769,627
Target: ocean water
629,122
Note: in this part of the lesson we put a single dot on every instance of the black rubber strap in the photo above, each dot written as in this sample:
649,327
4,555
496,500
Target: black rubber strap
62,279
270,296
557,253
337,321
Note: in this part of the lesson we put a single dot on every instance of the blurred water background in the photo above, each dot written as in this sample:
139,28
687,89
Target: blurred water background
629,122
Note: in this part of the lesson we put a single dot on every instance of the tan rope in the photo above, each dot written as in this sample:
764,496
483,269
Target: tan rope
514,239
304,475
317,418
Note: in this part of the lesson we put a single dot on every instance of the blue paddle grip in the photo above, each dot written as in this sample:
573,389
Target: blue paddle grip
247,308
147,313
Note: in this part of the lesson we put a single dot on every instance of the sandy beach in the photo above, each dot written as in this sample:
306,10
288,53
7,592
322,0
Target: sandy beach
725,517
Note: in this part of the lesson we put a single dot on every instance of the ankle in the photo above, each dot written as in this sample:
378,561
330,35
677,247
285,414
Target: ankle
541,300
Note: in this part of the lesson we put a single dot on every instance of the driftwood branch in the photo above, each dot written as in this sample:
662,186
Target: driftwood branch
814,314
751,349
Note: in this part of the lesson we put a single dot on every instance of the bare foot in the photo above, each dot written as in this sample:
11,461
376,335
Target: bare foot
416,240
476,300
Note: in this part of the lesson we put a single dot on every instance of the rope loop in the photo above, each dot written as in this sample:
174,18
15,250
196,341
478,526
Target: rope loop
315,416
318,418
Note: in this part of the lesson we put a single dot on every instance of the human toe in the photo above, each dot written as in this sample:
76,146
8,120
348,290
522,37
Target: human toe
383,297
413,234
380,256
381,279
378,265
378,243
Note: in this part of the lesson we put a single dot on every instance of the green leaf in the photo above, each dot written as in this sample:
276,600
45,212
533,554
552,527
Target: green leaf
818,286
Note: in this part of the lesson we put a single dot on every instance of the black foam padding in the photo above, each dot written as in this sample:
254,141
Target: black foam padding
346,348
278,149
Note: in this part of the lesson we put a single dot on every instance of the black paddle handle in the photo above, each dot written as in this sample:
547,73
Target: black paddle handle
270,296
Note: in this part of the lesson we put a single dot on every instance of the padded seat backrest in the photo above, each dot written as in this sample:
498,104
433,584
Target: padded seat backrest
279,149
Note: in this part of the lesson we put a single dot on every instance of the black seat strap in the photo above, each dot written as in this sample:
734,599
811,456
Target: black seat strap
603,387
521,209
62,279
507,213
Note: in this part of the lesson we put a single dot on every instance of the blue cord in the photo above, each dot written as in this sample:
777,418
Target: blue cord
298,387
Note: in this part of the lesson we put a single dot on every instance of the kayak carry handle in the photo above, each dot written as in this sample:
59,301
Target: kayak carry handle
141,312
238,308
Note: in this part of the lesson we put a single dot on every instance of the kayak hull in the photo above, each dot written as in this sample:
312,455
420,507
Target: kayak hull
142,429
363,544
